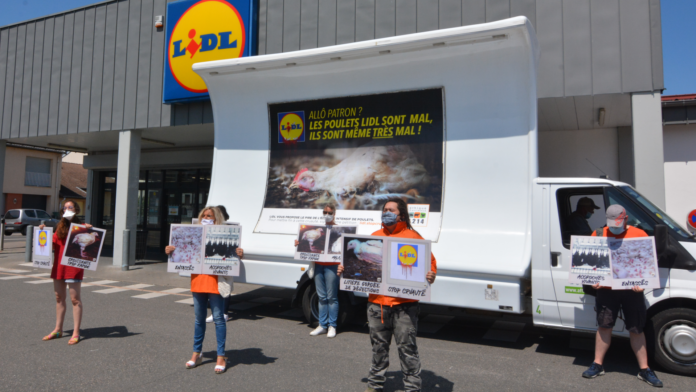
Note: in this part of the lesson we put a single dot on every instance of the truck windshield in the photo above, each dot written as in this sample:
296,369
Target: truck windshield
657,212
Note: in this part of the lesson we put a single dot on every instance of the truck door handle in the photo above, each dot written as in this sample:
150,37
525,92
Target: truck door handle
554,258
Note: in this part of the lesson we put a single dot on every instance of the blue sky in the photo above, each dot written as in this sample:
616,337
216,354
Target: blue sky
678,43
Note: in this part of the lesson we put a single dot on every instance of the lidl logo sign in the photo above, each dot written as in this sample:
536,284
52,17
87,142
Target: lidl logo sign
43,238
408,255
291,127
200,31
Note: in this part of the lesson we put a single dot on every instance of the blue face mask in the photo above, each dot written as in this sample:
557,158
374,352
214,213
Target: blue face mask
588,215
616,230
389,218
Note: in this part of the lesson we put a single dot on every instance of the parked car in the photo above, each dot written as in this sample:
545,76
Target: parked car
16,221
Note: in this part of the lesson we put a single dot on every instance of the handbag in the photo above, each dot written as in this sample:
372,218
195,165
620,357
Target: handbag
225,285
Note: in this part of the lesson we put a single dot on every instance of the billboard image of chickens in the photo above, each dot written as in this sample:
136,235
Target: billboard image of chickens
589,260
221,243
362,259
83,247
312,239
357,153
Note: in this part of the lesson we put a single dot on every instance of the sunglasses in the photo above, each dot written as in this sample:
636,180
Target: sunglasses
327,213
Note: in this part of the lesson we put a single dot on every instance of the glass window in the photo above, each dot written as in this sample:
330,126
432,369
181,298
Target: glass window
636,216
42,214
155,178
12,214
30,213
188,176
580,218
37,172
658,213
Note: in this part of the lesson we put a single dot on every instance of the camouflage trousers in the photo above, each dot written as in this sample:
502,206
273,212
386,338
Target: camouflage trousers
401,321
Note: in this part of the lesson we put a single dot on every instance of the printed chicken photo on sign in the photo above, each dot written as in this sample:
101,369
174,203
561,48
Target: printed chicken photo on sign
188,241
84,243
633,259
362,259
335,243
312,239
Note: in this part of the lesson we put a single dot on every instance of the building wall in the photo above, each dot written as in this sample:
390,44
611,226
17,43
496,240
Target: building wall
680,170
15,167
566,153
100,67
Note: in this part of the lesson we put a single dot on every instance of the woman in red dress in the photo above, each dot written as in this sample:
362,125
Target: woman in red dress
63,276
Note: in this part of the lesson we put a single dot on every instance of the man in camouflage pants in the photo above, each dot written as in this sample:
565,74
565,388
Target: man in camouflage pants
400,321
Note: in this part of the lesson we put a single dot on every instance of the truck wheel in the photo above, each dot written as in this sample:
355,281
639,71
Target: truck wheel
672,337
24,231
8,233
310,306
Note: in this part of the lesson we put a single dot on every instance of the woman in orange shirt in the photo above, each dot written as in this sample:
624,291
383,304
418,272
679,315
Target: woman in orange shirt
390,316
204,288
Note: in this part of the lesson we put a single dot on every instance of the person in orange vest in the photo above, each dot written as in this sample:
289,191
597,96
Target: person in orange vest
632,302
390,316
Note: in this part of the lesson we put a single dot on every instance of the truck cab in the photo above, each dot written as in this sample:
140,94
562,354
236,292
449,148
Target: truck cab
671,325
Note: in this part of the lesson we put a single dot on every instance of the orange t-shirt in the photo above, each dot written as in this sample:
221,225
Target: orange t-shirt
403,232
630,232
204,284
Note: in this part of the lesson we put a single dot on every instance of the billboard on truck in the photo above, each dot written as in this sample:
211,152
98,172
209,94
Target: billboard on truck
354,152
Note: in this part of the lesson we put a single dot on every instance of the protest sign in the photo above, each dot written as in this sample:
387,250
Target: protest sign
220,250
589,261
355,152
83,247
386,265
321,242
633,263
188,255
42,249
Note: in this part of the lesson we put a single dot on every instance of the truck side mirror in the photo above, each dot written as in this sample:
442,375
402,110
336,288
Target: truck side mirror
661,240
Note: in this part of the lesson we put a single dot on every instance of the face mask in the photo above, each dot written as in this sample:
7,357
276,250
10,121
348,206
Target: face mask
328,218
68,214
389,218
207,222
616,230
588,215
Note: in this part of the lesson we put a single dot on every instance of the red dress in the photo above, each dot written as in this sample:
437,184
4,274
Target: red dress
60,271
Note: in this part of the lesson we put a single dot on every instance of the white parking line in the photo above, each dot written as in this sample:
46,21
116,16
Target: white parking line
175,291
24,276
187,301
40,281
150,295
13,277
99,282
13,271
26,265
124,288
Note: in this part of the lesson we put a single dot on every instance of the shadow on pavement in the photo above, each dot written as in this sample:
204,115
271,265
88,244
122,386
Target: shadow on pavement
430,380
105,332
247,356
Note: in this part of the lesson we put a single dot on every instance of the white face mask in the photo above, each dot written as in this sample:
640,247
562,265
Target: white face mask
328,218
207,222
68,214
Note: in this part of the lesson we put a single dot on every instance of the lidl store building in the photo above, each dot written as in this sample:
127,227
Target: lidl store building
114,80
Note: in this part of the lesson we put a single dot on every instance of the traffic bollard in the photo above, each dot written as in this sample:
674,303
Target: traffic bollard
30,242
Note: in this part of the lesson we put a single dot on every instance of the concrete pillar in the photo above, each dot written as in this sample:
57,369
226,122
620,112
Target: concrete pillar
128,174
3,148
648,154
89,197
627,172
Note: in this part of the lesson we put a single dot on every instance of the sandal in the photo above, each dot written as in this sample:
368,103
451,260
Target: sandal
192,364
74,340
219,369
53,335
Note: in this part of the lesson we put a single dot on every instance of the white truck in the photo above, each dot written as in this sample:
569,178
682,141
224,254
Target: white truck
499,232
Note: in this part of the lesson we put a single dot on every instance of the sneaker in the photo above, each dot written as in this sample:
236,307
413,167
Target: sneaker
594,371
331,333
210,318
318,331
649,377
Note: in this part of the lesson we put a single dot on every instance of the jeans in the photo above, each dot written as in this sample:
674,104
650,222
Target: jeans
200,308
326,281
400,321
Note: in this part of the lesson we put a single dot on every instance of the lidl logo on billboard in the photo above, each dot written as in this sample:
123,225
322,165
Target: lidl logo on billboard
291,127
199,31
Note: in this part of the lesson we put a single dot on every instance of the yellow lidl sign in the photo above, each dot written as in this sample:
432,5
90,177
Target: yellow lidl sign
200,31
